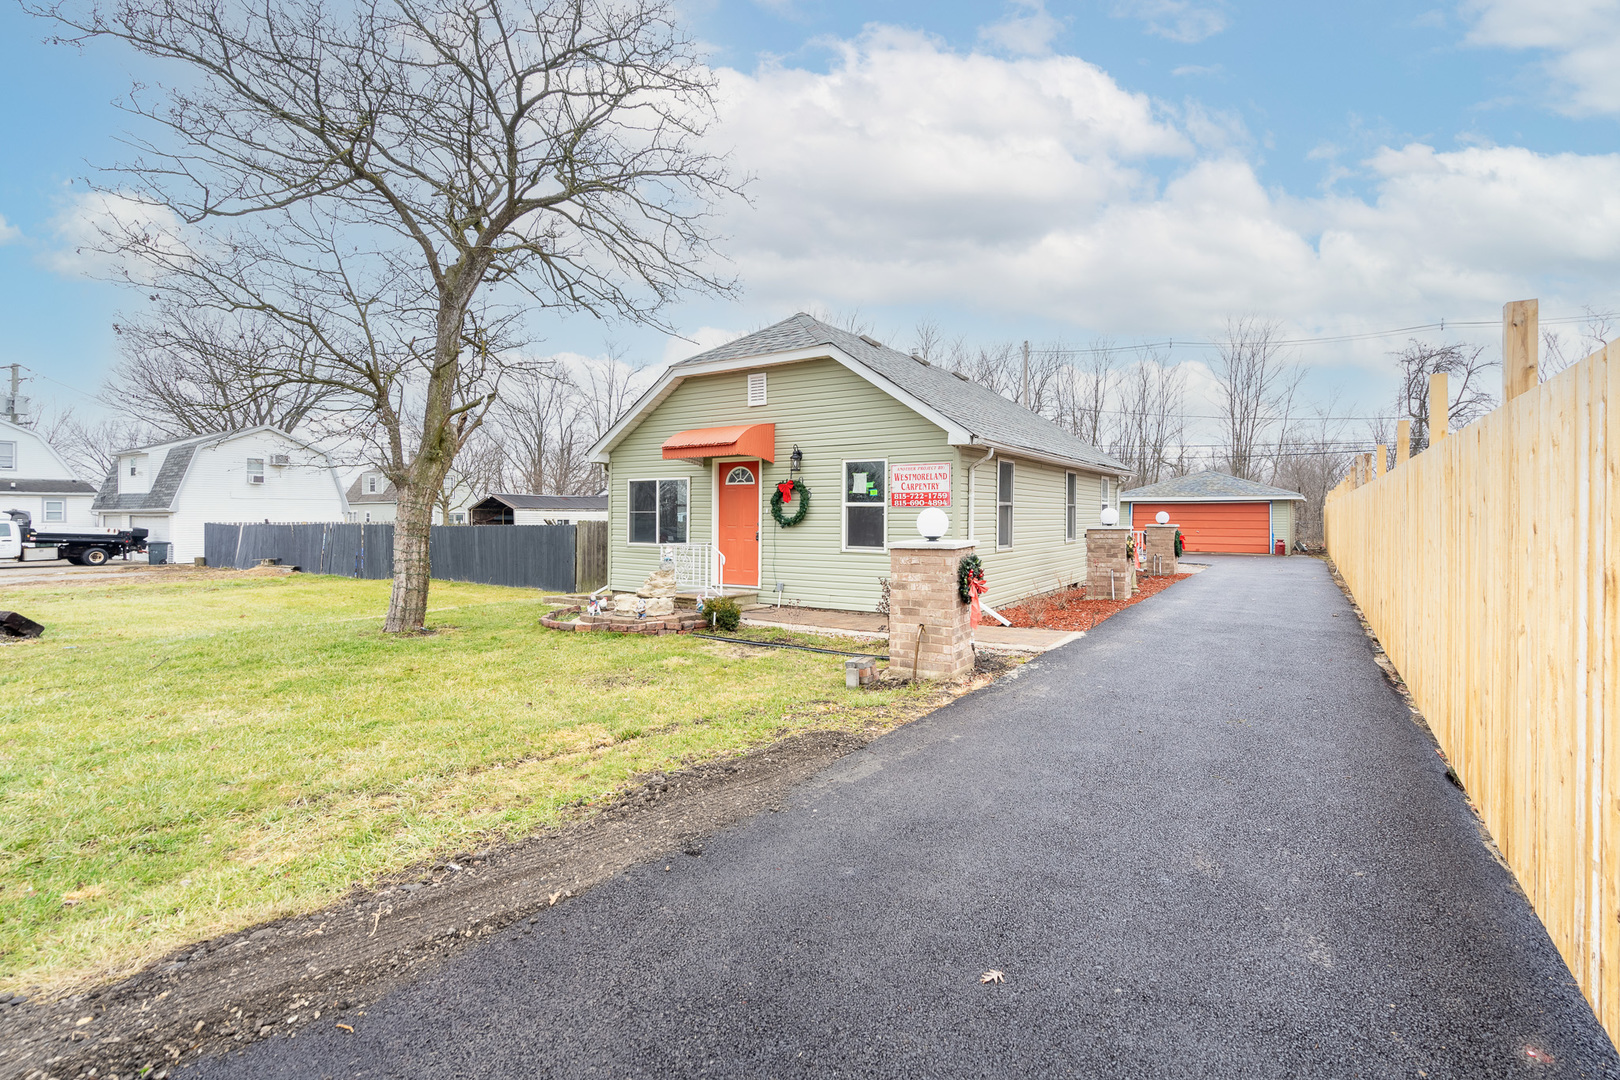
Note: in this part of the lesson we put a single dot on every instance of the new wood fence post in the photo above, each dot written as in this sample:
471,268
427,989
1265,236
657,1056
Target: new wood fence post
1380,458
1403,442
1439,407
1521,320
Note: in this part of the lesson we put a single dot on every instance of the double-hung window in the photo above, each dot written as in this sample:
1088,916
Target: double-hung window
1071,489
55,510
866,499
658,511
255,470
1107,490
8,455
1004,505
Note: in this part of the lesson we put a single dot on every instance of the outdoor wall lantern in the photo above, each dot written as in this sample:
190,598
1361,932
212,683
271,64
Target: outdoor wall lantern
795,461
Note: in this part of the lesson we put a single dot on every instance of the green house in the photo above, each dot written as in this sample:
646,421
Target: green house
873,436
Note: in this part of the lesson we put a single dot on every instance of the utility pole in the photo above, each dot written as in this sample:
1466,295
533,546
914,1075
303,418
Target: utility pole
1026,376
15,400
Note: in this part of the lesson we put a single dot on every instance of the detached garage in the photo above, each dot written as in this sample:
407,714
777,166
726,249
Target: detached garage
1218,512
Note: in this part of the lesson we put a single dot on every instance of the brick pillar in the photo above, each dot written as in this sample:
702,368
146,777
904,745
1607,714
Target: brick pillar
1105,555
929,635
1161,541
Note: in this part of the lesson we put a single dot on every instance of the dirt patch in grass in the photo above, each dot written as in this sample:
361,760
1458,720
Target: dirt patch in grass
324,967
1070,610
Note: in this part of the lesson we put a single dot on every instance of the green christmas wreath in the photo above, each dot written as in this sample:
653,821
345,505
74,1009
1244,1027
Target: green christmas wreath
967,571
1178,543
797,490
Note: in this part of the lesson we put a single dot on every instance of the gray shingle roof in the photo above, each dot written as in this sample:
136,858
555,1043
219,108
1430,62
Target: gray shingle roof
1210,485
989,416
164,488
388,494
45,487
548,502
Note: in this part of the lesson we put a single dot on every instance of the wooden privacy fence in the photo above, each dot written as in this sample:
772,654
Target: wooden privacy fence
1489,567
560,558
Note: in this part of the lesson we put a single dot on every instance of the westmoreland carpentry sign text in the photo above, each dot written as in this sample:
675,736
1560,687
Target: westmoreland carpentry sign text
920,485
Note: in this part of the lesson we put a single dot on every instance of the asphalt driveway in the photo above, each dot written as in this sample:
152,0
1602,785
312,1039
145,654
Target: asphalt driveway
1204,841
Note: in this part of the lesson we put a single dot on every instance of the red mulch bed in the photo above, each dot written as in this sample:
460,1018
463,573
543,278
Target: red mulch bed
1070,610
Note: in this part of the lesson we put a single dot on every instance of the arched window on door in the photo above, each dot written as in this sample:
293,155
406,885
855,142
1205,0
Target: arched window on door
742,474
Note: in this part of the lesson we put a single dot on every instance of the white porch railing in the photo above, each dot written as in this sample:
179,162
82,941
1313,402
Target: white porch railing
697,566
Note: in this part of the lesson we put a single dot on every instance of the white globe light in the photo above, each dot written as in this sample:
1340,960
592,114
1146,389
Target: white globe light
932,523
1162,517
1110,516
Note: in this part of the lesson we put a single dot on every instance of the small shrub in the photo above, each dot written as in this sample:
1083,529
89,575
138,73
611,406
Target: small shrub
722,613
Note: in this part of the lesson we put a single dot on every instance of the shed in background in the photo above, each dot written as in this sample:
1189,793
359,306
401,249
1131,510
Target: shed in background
509,508
1218,512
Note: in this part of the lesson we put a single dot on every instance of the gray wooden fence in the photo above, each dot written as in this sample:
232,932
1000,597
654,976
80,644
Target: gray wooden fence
527,556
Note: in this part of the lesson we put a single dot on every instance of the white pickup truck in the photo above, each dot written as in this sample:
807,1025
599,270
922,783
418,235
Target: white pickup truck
87,547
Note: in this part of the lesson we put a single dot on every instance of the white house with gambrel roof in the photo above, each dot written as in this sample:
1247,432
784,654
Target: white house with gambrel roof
172,489
35,478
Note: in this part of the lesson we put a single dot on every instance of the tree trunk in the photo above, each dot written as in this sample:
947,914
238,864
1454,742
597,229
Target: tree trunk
407,605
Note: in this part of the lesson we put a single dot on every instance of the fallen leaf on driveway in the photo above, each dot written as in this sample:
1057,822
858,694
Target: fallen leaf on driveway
992,977
347,1028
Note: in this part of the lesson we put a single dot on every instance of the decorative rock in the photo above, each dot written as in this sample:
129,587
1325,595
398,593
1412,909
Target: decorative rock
660,582
625,603
661,605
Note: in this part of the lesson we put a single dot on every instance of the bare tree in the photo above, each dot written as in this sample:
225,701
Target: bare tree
1151,418
90,446
190,371
1596,331
395,182
1465,368
1312,460
1255,388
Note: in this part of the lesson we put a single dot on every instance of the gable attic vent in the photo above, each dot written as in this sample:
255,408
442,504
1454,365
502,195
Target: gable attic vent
756,388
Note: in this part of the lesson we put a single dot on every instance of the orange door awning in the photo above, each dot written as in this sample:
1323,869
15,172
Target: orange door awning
738,440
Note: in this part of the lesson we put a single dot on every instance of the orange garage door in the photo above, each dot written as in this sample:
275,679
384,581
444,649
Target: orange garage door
1243,527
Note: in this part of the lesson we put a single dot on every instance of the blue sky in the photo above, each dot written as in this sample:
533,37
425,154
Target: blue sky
1136,169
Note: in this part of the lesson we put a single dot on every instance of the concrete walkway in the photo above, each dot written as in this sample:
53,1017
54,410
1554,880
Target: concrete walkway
1204,841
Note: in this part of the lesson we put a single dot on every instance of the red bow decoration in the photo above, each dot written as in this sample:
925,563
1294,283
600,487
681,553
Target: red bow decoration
785,489
976,589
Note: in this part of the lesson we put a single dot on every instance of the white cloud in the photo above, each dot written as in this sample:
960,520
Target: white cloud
908,174
9,233
1197,69
1028,30
85,228
1177,20
696,341
1581,40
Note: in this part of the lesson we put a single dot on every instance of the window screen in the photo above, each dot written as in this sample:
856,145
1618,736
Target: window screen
1004,505
255,470
643,511
866,497
672,511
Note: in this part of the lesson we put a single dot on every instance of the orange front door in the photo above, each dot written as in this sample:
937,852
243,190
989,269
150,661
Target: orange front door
739,522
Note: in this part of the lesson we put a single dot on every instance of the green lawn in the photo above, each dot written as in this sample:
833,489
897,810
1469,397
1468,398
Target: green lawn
183,757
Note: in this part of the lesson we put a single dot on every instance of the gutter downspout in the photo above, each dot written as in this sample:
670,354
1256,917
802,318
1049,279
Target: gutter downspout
973,478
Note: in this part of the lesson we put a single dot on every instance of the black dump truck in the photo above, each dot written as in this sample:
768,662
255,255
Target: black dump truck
87,547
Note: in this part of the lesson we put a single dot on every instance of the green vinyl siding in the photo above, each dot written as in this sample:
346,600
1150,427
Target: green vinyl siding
1282,523
1040,559
833,415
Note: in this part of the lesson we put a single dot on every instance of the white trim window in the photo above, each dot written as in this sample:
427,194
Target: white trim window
1004,505
371,484
1107,490
55,509
866,504
8,455
756,388
658,511
1071,505
255,470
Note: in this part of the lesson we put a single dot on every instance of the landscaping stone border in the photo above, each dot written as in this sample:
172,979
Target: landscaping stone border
678,623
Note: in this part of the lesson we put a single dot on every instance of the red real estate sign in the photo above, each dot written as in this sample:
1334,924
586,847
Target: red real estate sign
920,485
